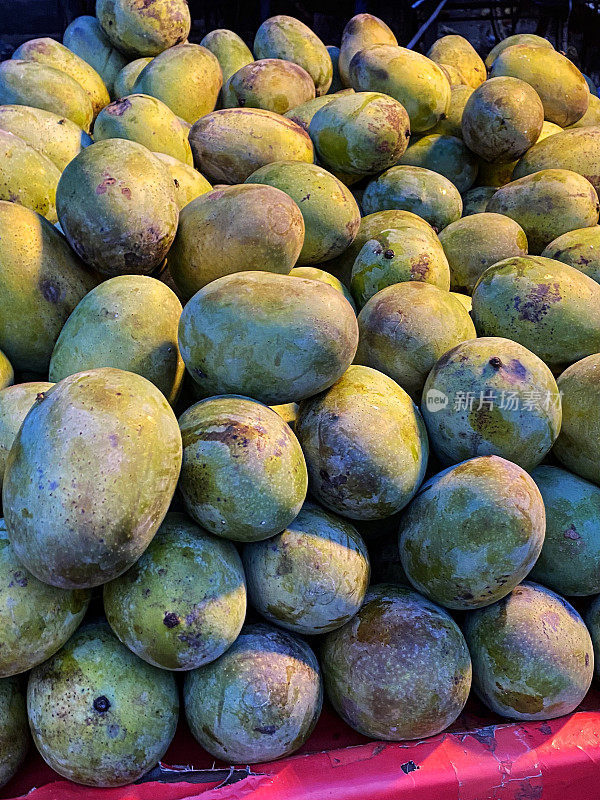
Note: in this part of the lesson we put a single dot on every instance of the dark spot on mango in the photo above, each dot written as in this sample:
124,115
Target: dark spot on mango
101,704
171,620
50,291
495,362
118,108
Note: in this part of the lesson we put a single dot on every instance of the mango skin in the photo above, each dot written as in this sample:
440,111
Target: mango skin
289,39
229,145
522,431
230,50
126,78
570,559
451,124
41,282
361,32
144,29
129,322
188,182
243,475
54,54
15,402
184,602
472,533
548,203
119,744
409,77
360,133
458,52
36,619
53,136
252,227
531,39
187,78
476,242
592,621
330,212
239,314
579,442
270,83
398,255
422,191
365,445
7,374
92,474
316,274
86,38
502,119
559,84
29,83
447,155
591,118
336,82
260,701
475,200
302,114
120,186
399,669
532,654
405,328
14,730
545,305
577,149
579,249
312,577
27,176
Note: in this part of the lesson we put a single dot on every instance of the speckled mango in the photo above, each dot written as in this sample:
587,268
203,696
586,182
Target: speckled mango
316,274
187,78
120,714
251,227
472,533
41,282
184,602
312,577
531,39
14,730
27,176
289,39
491,396
579,249
230,50
330,212
405,328
570,559
231,144
451,124
129,322
532,654
303,113
243,475
559,84
474,243
103,491
188,182
86,38
365,445
121,187
398,255
577,149
409,77
53,54
146,28
578,446
29,83
271,337
548,203
422,191
361,32
459,53
259,701
360,133
36,619
15,402
447,155
549,307
336,82
475,200
271,84
399,669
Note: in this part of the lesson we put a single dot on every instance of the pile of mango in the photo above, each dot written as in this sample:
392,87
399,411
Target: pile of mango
211,465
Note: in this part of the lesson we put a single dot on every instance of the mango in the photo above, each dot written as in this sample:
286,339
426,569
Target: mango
15,402
302,114
126,78
361,32
491,396
230,50
311,331
591,118
547,306
399,669
451,124
336,82
577,149
365,445
270,83
229,145
405,328
454,75
580,249
85,37
447,155
188,182
532,654
459,53
475,200
592,621
316,274
7,375
472,533
144,29
498,173
27,176
14,730
531,39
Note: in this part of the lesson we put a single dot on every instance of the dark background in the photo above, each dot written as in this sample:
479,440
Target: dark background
573,27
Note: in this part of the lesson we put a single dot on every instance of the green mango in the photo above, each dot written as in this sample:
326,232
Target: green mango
361,32
14,730
188,182
457,52
447,155
27,176
144,29
475,200
577,150
580,249
127,77
271,83
86,38
231,51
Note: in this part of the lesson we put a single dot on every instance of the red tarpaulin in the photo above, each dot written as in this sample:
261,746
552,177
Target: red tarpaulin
478,758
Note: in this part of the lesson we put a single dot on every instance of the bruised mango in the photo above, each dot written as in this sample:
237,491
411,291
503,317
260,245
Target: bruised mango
86,38
580,249
447,155
144,29
361,32
271,83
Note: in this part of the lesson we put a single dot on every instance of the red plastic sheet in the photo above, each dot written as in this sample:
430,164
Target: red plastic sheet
479,758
